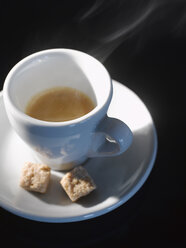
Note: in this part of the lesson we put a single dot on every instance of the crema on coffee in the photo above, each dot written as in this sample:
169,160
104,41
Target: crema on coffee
59,104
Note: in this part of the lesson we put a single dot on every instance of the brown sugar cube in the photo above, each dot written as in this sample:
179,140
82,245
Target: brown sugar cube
77,183
35,177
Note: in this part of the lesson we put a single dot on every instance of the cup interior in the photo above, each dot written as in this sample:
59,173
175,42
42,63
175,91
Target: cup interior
54,68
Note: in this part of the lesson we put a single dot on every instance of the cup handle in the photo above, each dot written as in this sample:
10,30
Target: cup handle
111,138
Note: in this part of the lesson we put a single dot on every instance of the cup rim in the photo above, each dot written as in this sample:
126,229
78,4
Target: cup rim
38,122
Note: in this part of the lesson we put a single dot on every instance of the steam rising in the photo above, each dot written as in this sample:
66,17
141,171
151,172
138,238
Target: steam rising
98,27
126,28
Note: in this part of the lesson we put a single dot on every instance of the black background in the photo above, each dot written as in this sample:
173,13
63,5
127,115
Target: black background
148,57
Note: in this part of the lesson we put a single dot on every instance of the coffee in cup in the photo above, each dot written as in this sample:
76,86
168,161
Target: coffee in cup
59,104
67,143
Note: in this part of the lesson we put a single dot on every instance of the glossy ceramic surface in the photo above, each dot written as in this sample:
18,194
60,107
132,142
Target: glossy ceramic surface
59,144
117,178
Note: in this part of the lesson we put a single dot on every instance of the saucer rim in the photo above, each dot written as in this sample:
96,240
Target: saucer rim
97,213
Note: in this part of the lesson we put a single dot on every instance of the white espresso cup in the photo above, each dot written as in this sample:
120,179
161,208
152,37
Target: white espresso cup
62,145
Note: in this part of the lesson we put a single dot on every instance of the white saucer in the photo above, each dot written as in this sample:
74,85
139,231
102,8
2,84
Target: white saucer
117,178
